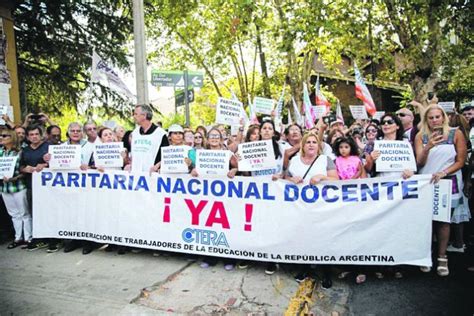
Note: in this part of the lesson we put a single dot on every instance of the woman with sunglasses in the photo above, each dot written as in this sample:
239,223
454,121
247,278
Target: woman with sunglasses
199,140
216,142
392,129
441,151
14,191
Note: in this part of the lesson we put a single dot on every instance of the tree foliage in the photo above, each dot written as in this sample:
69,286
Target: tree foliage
54,43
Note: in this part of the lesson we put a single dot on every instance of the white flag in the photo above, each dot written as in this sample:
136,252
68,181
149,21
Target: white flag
100,71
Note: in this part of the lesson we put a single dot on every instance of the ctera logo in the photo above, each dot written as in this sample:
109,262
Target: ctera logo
204,237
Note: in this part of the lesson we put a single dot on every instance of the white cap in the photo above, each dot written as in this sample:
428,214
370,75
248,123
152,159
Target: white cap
175,128
336,121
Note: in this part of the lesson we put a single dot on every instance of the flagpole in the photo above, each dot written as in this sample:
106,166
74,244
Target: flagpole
140,52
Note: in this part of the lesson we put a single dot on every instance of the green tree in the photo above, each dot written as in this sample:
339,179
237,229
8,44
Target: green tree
54,43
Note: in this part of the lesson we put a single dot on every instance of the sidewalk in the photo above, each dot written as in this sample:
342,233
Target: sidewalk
106,283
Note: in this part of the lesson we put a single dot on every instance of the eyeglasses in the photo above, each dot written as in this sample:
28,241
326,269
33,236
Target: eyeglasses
75,131
198,136
5,135
388,122
402,114
92,128
371,130
214,136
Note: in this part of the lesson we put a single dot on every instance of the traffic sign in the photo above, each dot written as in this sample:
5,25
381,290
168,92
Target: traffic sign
172,78
179,96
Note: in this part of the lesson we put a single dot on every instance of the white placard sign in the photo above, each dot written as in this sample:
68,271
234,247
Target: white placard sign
256,156
319,110
448,106
228,111
65,156
378,115
212,162
442,201
7,166
395,155
263,105
108,154
358,112
173,159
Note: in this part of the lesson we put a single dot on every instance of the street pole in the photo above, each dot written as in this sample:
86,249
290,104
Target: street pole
140,52
186,101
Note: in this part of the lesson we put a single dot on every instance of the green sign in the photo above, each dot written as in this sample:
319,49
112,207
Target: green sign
172,78
179,96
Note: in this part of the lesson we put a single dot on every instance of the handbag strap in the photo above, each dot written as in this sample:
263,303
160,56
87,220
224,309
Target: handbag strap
306,173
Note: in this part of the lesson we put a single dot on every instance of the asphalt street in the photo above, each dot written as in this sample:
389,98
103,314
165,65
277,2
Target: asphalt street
106,283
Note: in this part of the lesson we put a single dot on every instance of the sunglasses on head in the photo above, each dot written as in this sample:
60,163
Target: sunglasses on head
402,114
371,130
388,122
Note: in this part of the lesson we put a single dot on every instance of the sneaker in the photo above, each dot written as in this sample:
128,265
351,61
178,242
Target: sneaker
270,268
204,265
425,269
398,275
451,248
155,253
229,267
32,246
300,277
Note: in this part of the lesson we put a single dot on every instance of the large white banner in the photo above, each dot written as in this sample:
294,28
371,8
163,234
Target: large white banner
378,221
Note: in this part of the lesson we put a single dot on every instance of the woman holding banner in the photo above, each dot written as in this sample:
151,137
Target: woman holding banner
215,141
106,135
313,167
392,129
441,151
14,191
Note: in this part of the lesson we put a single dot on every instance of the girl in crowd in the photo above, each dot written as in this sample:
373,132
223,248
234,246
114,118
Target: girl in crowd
14,191
313,167
199,140
441,151
216,142
392,129
349,166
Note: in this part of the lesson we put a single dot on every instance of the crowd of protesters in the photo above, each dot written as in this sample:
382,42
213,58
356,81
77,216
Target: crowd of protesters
329,151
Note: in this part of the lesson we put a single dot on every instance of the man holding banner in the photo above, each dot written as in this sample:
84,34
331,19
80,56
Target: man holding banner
147,140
